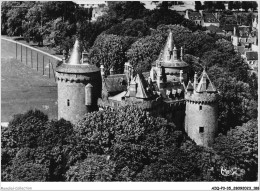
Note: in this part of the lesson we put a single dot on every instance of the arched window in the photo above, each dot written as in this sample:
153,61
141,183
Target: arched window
68,102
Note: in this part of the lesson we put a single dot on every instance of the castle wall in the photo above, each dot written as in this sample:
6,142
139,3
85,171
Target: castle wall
196,120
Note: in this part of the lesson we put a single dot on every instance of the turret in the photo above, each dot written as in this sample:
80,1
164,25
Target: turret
171,63
201,119
79,86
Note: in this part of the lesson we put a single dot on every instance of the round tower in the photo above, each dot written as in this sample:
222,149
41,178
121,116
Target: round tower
201,119
79,87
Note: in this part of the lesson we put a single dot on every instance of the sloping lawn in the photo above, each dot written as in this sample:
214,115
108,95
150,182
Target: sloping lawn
23,88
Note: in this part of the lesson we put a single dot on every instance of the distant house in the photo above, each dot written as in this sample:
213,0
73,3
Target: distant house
229,29
202,18
209,19
97,7
243,36
194,16
251,57
255,23
215,30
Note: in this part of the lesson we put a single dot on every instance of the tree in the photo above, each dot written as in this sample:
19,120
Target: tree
198,5
5,7
15,20
219,5
127,9
135,28
129,136
254,5
33,25
145,51
237,5
35,149
185,163
62,35
231,5
245,5
239,149
109,50
209,6
156,17
94,168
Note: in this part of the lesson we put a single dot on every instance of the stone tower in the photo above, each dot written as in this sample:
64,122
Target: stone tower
79,87
201,119
169,64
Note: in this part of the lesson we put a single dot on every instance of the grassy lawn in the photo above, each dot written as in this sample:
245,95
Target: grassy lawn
24,88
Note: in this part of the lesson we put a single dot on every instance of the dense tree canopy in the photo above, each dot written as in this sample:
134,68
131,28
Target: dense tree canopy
239,149
109,50
35,149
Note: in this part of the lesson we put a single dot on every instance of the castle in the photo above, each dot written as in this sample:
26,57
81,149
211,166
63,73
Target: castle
164,91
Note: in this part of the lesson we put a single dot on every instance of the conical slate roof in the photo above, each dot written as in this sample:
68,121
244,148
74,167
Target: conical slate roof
141,87
74,64
170,51
190,87
75,54
205,84
141,92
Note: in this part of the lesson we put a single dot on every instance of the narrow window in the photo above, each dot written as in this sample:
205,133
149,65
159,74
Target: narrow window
201,130
200,107
68,102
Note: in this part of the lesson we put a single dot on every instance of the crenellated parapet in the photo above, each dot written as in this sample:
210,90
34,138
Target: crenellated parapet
75,78
202,98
